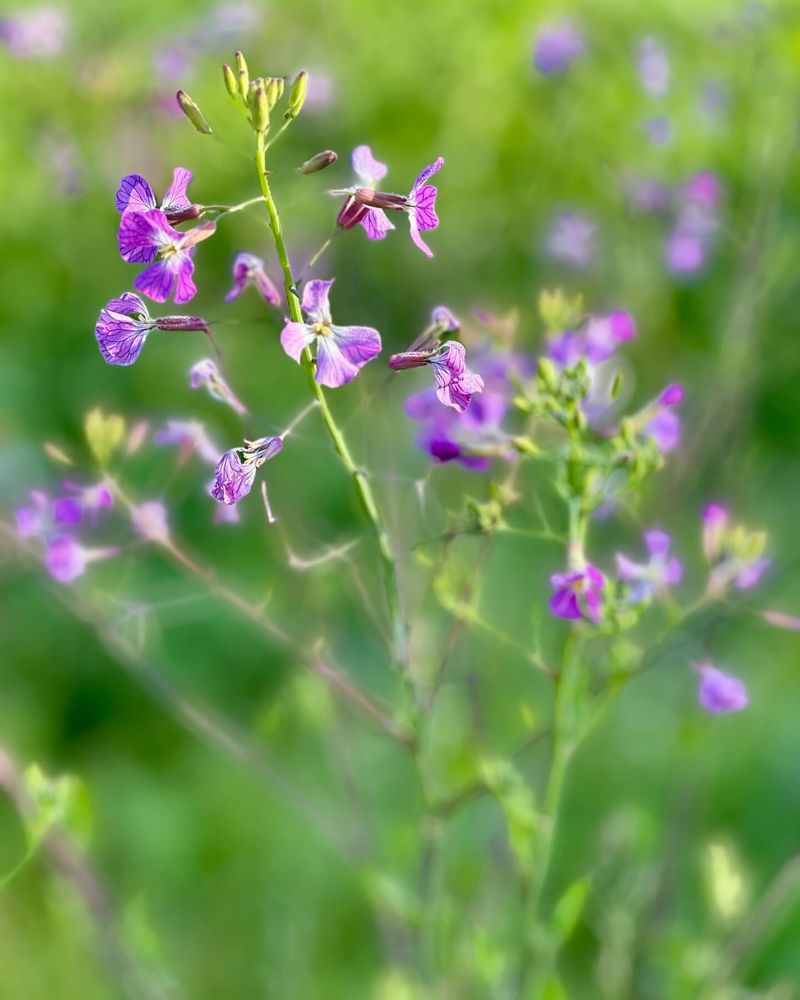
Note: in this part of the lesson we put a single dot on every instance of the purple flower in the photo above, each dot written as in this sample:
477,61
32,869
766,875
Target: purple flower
36,33
737,554
455,383
249,270
685,251
45,516
149,521
660,422
571,240
659,130
557,46
655,576
89,500
653,66
369,173
66,559
341,350
422,205
578,594
720,692
206,375
145,235
125,323
135,195
596,343
191,438
237,468
715,521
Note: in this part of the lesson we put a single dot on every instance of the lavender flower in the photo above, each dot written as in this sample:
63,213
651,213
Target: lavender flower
660,422
737,555
455,383
206,375
658,129
571,240
557,46
578,594
655,576
36,33
191,438
145,235
720,692
149,521
125,323
596,343
135,195
249,270
653,66
237,468
44,515
688,243
341,350
421,206
66,559
369,173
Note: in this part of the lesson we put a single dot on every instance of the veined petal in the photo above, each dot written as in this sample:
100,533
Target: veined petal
142,234
359,344
295,338
135,195
175,199
185,288
376,223
429,171
424,207
315,300
334,368
157,281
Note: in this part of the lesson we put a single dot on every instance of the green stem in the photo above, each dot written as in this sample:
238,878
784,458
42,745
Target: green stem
360,481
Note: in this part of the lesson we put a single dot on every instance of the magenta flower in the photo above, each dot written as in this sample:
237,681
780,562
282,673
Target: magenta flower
206,375
455,383
145,236
136,195
66,559
369,173
421,205
44,515
557,47
660,422
596,343
125,323
578,594
341,350
654,577
249,270
191,438
720,692
237,468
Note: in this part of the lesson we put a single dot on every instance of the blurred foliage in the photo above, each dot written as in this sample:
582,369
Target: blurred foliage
223,886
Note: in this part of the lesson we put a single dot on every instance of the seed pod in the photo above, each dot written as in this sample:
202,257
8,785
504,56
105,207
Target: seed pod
193,113
244,76
297,98
318,162
231,84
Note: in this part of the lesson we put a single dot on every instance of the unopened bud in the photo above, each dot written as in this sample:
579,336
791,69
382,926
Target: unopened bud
259,108
297,98
318,162
231,84
281,85
243,75
272,93
193,113
616,385
548,373
525,446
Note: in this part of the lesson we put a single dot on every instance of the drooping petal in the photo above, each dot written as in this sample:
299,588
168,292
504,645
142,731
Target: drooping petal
315,300
333,367
369,170
295,338
428,171
185,288
233,478
359,344
376,223
135,195
241,274
157,281
119,337
175,200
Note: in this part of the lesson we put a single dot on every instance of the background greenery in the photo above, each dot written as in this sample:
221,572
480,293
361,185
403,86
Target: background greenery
222,886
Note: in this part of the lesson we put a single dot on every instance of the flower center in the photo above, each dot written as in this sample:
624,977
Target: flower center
321,329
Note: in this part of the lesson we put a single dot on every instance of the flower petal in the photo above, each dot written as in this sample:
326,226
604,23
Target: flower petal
376,223
359,344
369,170
315,300
157,281
175,199
135,195
333,367
295,338
429,171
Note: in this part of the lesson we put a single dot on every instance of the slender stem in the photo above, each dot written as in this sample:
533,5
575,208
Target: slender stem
223,210
318,254
360,480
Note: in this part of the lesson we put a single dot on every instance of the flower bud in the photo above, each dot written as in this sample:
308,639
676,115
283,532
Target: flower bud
273,93
231,84
548,373
259,107
242,73
193,113
318,162
182,323
297,98
281,80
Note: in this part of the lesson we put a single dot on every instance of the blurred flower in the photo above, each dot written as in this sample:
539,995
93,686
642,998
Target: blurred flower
173,62
688,244
206,375
736,554
36,33
715,519
341,350
369,173
571,240
191,438
66,559
720,692
578,594
135,195
60,155
149,521
653,66
660,422
237,468
655,576
596,343
44,515
658,129
90,499
557,46
646,195
144,236
250,270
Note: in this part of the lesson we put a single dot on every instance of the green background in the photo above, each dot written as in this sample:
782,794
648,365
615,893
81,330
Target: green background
222,887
